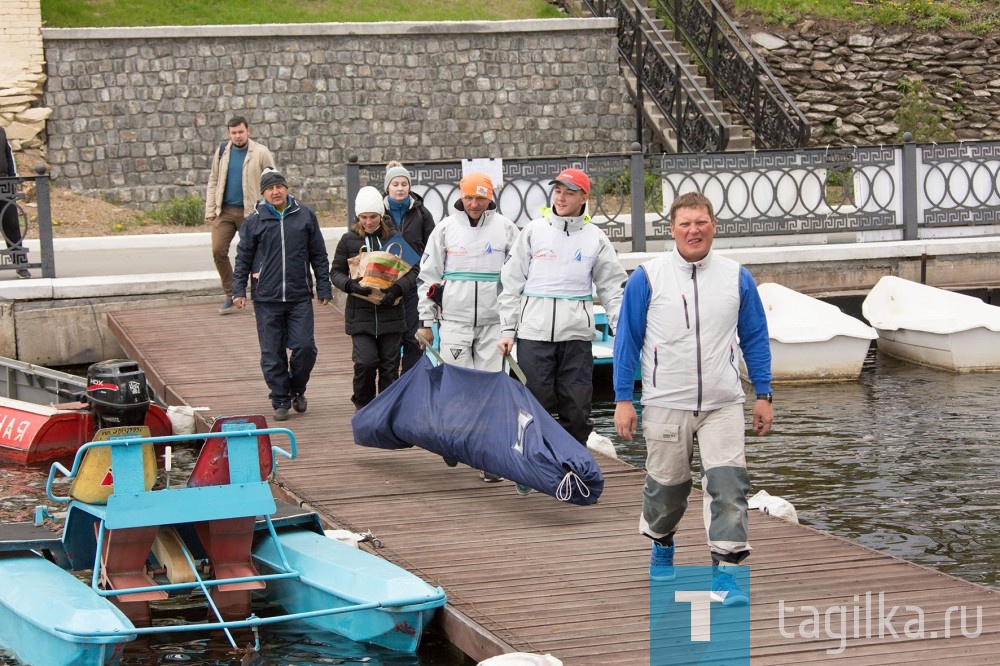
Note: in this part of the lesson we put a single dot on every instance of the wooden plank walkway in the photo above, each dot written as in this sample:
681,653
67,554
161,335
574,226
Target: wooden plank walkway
529,573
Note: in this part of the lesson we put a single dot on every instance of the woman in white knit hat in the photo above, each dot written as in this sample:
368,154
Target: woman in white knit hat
415,223
376,328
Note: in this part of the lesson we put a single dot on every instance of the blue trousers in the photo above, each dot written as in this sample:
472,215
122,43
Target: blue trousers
282,327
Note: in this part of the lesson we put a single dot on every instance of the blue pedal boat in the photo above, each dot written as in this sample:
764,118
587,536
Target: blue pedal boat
222,534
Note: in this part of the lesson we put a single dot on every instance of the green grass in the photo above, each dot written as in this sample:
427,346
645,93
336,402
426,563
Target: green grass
108,13
977,16
186,211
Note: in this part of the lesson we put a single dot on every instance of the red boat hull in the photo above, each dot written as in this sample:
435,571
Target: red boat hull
35,434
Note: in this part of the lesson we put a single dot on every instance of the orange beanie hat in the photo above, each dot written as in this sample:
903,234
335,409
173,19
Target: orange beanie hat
477,185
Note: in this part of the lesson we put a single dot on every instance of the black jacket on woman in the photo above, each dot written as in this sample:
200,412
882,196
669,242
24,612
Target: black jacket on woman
361,316
416,224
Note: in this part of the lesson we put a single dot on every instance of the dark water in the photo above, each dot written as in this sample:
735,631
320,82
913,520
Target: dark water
905,461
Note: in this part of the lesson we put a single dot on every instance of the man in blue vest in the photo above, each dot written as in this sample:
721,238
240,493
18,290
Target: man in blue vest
232,195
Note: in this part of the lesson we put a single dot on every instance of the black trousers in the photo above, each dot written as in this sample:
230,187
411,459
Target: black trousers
411,348
10,223
282,327
376,363
561,377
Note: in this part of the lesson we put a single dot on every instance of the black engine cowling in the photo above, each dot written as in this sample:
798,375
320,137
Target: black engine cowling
117,392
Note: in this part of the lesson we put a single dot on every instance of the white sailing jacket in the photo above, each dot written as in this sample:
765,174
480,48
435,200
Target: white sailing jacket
467,260
549,280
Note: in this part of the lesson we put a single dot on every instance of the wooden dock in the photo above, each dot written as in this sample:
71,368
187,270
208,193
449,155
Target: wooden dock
530,574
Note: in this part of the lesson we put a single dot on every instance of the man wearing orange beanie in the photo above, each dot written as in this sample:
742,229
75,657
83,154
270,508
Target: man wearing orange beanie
462,262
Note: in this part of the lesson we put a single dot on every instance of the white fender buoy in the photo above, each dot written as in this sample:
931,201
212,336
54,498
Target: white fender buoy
602,445
774,506
343,536
521,659
182,418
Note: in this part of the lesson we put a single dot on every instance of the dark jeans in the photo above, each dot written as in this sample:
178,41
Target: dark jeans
411,348
280,327
376,362
561,377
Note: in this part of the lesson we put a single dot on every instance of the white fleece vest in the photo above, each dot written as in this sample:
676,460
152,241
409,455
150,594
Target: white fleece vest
690,357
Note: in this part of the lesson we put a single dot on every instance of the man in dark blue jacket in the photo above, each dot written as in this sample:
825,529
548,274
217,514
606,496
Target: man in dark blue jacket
279,242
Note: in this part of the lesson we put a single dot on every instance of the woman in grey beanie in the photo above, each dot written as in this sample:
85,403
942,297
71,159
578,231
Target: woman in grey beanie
406,213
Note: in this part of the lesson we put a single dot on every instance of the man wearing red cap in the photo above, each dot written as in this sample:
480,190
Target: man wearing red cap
458,279
547,301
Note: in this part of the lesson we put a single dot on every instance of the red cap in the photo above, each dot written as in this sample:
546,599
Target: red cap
574,179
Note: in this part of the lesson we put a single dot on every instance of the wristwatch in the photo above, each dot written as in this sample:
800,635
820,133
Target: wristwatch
764,396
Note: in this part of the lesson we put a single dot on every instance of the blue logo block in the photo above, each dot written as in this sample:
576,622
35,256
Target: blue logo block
691,624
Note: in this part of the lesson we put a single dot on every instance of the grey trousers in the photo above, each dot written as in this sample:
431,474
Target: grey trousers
670,435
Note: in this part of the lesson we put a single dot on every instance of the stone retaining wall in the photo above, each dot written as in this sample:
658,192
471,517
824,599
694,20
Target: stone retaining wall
137,112
850,87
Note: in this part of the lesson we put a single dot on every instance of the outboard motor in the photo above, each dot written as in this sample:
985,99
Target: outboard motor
117,392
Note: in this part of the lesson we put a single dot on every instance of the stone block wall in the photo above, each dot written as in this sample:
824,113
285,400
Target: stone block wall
850,86
138,112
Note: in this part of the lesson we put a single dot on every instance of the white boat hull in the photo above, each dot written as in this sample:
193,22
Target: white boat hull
934,327
812,341
836,360
976,350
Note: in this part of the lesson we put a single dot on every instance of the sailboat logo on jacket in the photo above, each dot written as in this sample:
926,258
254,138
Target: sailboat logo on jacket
489,249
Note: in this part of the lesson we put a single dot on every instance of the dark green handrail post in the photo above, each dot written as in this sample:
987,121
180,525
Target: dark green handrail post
44,222
677,21
639,82
637,177
909,188
353,185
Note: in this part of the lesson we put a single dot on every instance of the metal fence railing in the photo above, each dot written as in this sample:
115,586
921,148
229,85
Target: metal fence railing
13,255
722,54
894,192
661,76
736,72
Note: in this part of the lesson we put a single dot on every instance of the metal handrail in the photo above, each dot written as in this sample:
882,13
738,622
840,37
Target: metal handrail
659,73
255,621
738,72
15,256
130,440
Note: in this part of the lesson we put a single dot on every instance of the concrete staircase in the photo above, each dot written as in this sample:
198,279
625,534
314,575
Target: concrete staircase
740,136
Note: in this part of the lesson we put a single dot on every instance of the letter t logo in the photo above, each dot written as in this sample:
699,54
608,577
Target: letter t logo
701,612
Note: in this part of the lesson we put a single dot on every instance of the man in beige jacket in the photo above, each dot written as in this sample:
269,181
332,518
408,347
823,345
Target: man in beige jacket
232,195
